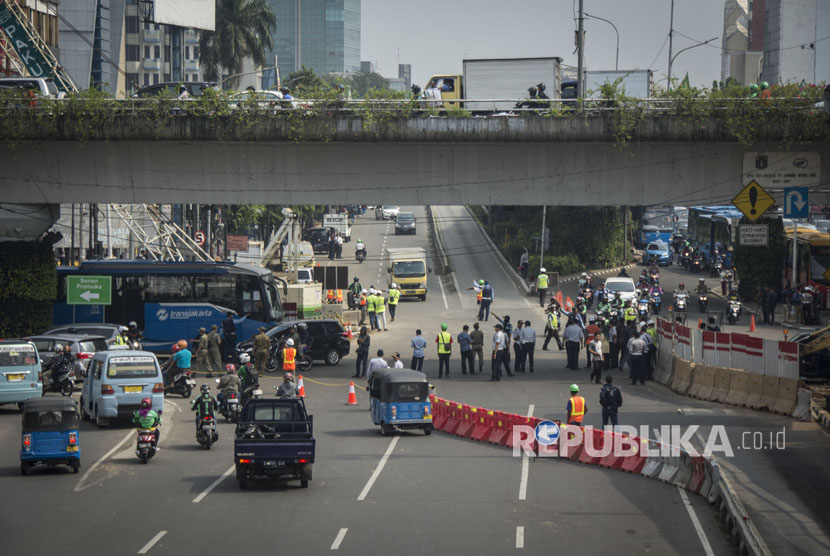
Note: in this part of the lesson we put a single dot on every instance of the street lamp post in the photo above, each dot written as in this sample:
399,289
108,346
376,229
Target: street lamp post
617,62
679,52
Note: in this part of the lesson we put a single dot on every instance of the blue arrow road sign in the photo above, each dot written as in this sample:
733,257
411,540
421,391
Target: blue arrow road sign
796,202
547,433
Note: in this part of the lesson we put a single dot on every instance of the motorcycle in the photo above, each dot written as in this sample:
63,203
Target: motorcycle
681,303
206,432
655,302
702,302
252,392
694,264
588,296
145,446
352,301
733,312
230,407
360,255
63,380
181,384
655,276
685,257
303,361
642,308
717,267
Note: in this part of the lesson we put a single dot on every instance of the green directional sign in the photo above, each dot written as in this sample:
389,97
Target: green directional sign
89,290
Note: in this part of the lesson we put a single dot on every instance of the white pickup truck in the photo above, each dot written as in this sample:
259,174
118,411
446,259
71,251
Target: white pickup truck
340,223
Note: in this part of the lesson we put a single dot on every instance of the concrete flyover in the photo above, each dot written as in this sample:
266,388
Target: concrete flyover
345,159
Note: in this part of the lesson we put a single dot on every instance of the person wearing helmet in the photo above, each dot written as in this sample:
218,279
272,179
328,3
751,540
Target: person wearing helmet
541,94
286,94
701,286
765,90
288,389
289,355
354,292
680,291
229,383
361,304
133,333
576,408
204,405
121,338
247,374
487,296
146,418
360,247
179,363
753,90
61,363
394,297
183,94
444,341
370,310
478,286
380,309
542,286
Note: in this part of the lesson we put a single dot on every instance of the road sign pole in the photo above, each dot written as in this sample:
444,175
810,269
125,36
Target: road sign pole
795,252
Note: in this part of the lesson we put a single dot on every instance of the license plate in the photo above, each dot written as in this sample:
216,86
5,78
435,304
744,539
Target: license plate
133,389
191,382
233,401
409,292
428,417
257,392
272,463
144,444
15,378
71,448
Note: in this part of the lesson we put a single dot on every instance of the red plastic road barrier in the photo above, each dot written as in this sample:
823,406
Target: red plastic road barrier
611,461
440,413
698,474
454,420
574,452
465,429
518,420
596,440
635,463
483,422
499,428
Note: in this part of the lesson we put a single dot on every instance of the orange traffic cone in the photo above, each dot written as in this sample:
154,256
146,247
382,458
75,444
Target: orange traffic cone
352,400
752,323
300,386
349,330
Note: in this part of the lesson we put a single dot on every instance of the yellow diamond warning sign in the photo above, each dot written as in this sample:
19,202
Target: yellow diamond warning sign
753,201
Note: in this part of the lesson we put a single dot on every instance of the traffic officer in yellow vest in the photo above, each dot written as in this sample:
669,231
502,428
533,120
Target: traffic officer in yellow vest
542,285
630,313
380,309
394,296
121,339
576,407
444,341
370,310
552,328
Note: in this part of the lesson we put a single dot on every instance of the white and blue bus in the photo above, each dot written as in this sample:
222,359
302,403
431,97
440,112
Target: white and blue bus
714,227
170,301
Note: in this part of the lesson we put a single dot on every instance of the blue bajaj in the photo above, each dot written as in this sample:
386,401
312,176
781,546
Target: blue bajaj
50,434
399,399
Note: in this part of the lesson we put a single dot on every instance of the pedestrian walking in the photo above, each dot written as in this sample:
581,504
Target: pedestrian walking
419,344
380,309
363,342
595,357
576,407
465,349
202,362
394,297
477,347
370,309
573,342
528,346
517,347
542,286
552,327
229,331
636,348
499,349
444,341
610,398
214,350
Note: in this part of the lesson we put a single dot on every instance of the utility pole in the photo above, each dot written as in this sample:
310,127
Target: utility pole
580,46
72,239
671,37
625,235
542,251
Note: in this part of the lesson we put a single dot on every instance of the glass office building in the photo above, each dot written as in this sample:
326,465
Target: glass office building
323,35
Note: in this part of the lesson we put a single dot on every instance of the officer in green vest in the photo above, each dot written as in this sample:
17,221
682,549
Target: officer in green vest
394,296
552,328
370,310
542,285
380,309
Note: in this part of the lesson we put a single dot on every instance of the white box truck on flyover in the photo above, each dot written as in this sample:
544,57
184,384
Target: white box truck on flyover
494,79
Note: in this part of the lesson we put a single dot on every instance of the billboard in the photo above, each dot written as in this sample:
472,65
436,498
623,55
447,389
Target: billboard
195,14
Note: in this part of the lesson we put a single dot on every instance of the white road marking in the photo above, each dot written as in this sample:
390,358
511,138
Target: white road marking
214,484
79,487
339,538
525,466
520,536
707,548
146,548
443,294
378,469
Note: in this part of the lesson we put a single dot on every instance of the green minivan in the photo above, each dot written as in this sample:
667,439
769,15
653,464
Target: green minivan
19,372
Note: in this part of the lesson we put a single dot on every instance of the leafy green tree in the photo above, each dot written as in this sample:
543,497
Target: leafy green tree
243,30
362,82
304,82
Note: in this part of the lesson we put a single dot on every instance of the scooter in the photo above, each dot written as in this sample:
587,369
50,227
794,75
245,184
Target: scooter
694,264
702,302
681,303
230,407
182,384
655,302
642,308
733,312
360,255
63,380
145,447
206,431
717,267
588,295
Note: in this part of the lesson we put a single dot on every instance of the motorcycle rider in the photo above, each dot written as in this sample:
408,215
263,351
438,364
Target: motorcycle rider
133,333
680,291
179,363
354,292
246,373
63,360
147,418
359,246
289,355
228,384
205,404
288,389
630,312
584,280
603,293
654,270
121,338
702,289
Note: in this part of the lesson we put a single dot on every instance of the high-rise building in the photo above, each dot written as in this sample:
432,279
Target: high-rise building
793,47
738,59
322,35
404,80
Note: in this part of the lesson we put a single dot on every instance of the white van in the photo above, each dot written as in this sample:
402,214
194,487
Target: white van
45,86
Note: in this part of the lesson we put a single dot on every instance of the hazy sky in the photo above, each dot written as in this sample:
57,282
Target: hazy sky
435,36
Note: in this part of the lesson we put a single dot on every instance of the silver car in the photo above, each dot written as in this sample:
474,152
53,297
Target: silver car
83,348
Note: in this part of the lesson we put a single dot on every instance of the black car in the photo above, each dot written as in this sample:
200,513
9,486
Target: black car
171,89
405,223
318,238
329,342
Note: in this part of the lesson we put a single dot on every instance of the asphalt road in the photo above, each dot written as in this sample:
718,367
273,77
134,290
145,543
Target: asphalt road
410,494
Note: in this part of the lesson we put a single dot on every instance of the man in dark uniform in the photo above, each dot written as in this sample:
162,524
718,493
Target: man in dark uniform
229,329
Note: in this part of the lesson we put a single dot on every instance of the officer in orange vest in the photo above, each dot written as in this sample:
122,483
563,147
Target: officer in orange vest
289,355
577,407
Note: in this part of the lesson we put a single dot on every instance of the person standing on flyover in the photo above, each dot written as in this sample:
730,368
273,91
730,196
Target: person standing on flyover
466,350
261,345
444,341
542,286
487,296
418,344
528,346
394,297
610,398
229,329
380,309
370,309
573,341
500,347
477,345
576,408
214,350
202,363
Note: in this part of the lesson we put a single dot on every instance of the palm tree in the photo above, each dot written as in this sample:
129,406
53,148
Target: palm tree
243,29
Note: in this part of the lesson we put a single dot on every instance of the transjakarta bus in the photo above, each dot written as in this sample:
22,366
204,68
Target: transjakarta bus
170,301
711,227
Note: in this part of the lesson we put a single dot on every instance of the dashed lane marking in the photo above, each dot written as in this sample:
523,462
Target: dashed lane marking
214,484
339,538
146,548
520,536
378,469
